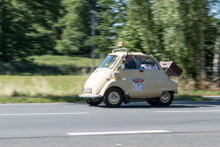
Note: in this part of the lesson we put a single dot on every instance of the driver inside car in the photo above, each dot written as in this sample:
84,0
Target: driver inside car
129,63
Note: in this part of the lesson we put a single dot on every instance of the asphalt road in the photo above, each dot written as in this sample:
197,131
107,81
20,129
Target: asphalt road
184,123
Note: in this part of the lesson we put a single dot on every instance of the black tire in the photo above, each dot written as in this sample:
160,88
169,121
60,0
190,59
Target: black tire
165,99
93,102
153,102
113,98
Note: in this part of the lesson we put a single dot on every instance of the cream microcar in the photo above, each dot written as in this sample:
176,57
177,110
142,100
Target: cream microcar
114,82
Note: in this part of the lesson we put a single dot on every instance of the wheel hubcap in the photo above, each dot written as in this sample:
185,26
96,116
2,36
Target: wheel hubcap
113,98
165,97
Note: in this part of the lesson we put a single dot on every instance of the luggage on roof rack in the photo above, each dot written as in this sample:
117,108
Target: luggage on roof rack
171,68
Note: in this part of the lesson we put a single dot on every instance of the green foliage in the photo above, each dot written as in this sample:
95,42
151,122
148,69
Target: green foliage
192,98
182,31
48,65
76,25
140,31
171,30
25,27
111,18
50,89
41,89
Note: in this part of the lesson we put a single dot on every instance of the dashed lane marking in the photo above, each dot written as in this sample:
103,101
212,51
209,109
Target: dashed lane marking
21,114
172,111
187,111
118,132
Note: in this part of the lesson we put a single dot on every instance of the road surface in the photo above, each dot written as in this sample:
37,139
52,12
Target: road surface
184,123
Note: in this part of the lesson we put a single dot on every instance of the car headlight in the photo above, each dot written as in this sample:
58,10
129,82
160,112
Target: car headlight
87,90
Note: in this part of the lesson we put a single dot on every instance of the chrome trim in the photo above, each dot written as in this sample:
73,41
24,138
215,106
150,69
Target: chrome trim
90,96
177,78
174,91
139,69
113,51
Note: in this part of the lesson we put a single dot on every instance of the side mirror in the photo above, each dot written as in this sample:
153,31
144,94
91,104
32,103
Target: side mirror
115,74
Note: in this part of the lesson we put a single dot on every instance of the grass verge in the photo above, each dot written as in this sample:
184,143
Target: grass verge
191,98
41,89
46,99
48,65
53,89
198,92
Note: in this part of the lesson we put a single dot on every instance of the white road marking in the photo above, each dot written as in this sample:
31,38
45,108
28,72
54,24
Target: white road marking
207,111
74,113
118,132
171,111
187,111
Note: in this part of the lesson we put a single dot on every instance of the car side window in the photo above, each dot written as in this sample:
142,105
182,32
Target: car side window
149,64
128,63
121,65
138,62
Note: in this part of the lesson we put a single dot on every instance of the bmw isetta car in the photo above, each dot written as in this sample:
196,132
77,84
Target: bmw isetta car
127,77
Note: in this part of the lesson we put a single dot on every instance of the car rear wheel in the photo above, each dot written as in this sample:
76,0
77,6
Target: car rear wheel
93,102
165,99
153,102
113,97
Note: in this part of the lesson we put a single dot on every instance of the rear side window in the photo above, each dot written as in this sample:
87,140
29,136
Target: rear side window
148,64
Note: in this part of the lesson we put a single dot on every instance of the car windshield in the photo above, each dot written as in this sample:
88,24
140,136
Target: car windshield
109,61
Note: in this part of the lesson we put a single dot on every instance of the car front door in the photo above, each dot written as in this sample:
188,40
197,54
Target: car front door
144,81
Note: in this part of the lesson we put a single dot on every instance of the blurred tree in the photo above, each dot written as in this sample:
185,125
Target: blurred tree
216,59
76,25
172,30
112,15
140,31
25,27
216,56
199,28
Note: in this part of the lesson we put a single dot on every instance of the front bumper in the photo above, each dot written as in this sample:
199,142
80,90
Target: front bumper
175,92
90,96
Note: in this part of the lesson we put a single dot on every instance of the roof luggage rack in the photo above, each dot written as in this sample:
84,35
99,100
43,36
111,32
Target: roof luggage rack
171,69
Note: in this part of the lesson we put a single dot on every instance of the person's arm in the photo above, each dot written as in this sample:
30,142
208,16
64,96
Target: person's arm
126,66
131,65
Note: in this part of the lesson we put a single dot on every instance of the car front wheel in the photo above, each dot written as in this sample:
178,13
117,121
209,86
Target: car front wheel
113,97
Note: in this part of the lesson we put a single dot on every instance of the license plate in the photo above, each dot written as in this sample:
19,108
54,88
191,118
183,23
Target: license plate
87,90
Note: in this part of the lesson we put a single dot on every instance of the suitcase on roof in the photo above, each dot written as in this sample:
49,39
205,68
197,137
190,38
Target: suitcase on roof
171,68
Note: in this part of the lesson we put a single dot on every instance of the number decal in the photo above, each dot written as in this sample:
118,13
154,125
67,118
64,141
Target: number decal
138,84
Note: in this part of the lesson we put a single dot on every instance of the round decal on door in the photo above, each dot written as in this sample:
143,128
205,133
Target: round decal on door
138,84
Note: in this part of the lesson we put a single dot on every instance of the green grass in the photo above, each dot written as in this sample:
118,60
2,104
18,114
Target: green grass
50,89
49,65
191,98
51,79
41,89
64,60
47,99
47,79
195,95
198,92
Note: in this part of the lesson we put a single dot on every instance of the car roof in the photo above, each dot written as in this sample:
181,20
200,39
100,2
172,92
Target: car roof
123,54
